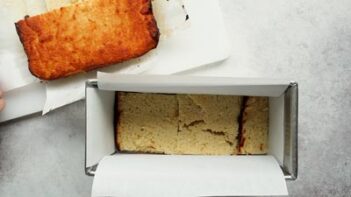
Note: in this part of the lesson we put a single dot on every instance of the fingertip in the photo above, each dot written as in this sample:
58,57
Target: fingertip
2,104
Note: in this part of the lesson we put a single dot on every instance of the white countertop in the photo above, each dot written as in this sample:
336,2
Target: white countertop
306,41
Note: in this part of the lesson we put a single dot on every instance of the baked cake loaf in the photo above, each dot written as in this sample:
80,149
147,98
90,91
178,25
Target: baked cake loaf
191,124
253,139
208,124
147,122
86,36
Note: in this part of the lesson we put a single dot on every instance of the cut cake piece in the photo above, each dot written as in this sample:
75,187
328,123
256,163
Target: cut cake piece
255,117
86,36
208,124
147,122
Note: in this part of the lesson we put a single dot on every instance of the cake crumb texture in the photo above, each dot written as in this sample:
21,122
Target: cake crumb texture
147,122
191,124
208,124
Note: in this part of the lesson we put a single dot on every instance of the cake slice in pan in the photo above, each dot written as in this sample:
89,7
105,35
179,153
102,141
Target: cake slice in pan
208,124
147,122
253,139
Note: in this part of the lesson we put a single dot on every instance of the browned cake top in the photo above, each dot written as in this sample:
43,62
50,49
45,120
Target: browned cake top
86,36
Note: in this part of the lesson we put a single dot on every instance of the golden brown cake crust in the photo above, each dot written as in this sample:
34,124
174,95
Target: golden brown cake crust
87,36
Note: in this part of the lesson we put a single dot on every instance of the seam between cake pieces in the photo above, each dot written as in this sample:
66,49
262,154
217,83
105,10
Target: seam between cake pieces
178,114
240,137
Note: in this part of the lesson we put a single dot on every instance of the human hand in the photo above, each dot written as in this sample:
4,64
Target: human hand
2,101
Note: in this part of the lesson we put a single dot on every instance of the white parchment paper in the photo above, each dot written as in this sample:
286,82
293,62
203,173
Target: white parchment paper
166,175
13,61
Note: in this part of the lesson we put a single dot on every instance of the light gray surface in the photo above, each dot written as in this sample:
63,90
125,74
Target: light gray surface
44,156
304,40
